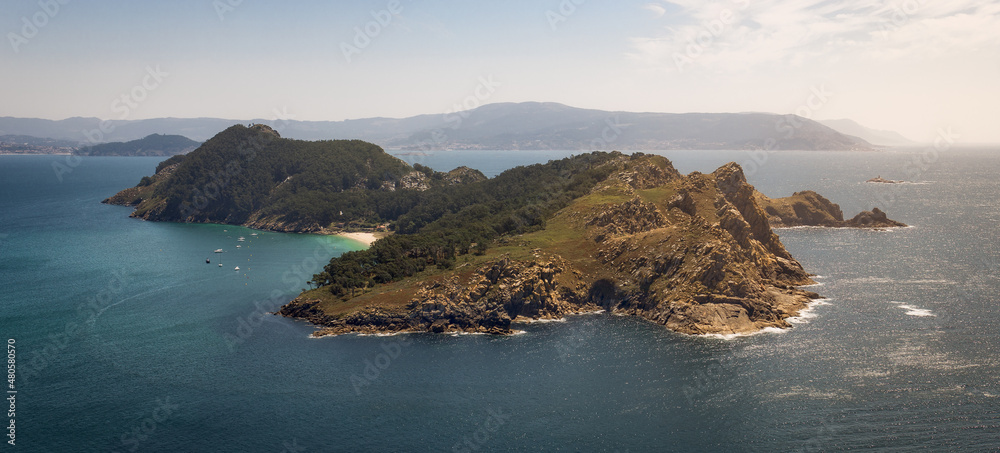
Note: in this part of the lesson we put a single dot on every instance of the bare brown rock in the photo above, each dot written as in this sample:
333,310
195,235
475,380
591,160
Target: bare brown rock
809,208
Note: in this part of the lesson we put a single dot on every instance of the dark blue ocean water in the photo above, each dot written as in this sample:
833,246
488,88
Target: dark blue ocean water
127,341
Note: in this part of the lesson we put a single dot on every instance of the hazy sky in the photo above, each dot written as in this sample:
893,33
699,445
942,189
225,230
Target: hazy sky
913,66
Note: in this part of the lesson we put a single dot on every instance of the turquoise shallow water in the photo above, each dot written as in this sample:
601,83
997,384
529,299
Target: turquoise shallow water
128,341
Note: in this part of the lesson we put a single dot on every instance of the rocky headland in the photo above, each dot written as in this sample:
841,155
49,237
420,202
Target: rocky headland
694,253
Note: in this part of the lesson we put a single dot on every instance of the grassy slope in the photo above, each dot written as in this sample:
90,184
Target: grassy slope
565,234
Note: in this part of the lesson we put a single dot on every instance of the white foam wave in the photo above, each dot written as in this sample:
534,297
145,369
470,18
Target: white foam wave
733,336
383,334
521,319
914,311
813,227
929,282
809,312
884,280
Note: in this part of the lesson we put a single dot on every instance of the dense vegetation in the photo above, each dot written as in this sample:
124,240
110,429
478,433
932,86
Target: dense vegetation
244,172
449,221
252,176
152,145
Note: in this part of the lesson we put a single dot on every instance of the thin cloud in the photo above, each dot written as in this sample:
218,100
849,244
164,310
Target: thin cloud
739,35
657,10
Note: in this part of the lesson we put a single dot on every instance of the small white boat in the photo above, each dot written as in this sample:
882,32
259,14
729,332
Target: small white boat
220,264
241,239
218,250
237,268
253,234
237,246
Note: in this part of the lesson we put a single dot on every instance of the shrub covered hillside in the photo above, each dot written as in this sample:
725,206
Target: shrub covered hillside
450,221
151,145
251,176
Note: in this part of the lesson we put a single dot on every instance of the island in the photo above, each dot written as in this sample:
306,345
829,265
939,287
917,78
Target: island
151,145
880,180
808,208
626,234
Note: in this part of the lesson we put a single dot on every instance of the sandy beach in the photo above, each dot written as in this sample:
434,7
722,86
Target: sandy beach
367,238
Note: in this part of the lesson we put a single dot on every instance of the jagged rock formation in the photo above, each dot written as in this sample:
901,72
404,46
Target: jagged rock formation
809,208
464,175
694,253
487,300
872,219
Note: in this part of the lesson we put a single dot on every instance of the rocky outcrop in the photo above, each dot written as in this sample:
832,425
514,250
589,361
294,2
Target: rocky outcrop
487,300
630,217
414,180
464,175
872,219
809,208
265,129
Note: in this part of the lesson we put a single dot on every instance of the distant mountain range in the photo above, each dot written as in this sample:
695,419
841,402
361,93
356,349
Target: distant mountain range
151,145
528,125
873,136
